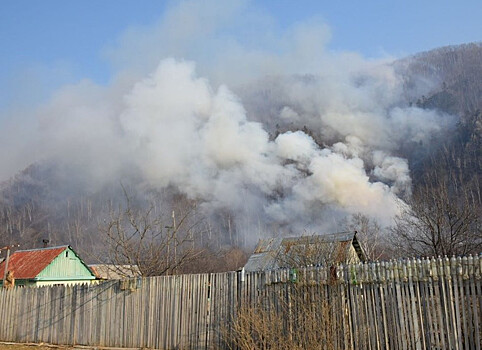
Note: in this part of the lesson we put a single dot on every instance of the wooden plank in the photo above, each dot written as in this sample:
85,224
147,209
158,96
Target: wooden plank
474,303
22,316
53,308
29,325
108,307
193,292
20,334
42,315
425,301
478,296
456,302
413,314
418,280
353,299
438,304
478,288
187,310
6,318
367,321
101,296
445,305
345,326
376,307
381,272
358,309
465,303
160,290
402,313
365,285
449,304
167,312
176,311
411,324
10,306
150,304
431,306
393,308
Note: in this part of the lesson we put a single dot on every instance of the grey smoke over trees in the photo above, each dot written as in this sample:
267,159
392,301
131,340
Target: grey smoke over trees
176,131
438,223
444,216
287,138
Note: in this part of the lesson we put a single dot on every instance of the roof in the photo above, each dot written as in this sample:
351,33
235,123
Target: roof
114,272
28,264
279,252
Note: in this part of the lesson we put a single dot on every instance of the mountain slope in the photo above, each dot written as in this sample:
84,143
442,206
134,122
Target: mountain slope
38,204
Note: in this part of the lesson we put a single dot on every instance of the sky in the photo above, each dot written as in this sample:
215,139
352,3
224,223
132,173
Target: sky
46,44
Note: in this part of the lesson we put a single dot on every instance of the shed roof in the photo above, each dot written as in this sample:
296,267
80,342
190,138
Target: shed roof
114,272
27,264
272,252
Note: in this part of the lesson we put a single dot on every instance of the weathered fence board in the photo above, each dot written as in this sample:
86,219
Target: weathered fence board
411,304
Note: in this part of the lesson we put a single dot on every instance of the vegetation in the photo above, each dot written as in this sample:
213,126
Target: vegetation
444,216
438,224
315,321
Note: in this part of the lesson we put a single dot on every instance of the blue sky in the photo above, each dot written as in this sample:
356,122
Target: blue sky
46,44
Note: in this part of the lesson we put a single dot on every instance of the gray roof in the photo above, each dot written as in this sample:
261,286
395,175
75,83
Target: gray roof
115,272
274,253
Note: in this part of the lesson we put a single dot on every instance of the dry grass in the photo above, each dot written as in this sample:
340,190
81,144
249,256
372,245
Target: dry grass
15,346
299,316
43,346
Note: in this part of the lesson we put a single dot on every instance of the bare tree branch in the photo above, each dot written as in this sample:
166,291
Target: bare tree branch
151,244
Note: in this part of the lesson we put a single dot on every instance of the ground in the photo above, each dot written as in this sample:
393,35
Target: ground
42,346
12,346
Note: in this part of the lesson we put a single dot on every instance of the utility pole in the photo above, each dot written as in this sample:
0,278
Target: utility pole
6,260
175,240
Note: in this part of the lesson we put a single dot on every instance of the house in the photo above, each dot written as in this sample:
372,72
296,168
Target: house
114,272
316,250
47,266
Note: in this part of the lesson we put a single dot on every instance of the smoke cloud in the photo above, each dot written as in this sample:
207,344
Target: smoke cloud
280,130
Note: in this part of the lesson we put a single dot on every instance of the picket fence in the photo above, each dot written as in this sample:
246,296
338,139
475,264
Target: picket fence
409,304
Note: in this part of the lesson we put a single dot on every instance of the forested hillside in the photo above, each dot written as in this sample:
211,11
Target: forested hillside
38,203
451,78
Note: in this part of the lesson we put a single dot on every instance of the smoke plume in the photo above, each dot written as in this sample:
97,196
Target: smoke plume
279,130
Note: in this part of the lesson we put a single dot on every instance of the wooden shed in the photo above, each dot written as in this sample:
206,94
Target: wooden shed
315,250
47,266
114,272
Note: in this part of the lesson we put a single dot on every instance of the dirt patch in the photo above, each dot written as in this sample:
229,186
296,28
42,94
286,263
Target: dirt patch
43,346
15,346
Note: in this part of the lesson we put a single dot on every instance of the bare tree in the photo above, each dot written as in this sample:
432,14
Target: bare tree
148,242
315,250
213,259
370,235
438,223
444,216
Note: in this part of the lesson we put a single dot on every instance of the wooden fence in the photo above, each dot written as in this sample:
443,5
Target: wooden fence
410,304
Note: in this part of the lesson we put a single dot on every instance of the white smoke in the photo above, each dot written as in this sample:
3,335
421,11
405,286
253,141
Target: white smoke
283,130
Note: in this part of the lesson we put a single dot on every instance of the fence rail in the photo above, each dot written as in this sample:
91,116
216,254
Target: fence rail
410,304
